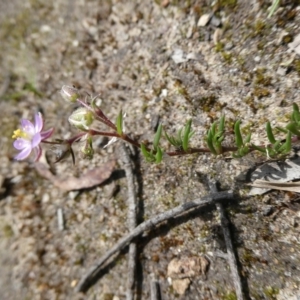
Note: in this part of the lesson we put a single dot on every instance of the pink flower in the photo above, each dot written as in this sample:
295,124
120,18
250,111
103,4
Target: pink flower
29,137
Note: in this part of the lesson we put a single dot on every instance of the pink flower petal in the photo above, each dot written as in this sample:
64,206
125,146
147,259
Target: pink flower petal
38,122
23,154
36,139
21,144
46,134
27,126
37,153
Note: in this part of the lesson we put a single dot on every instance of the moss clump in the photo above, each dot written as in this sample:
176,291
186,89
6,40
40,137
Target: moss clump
229,296
259,27
297,65
247,258
271,292
8,232
209,102
219,47
182,90
261,45
250,101
287,39
285,17
261,78
227,3
241,61
261,92
227,57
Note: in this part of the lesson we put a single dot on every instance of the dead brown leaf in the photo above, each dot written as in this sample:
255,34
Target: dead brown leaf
181,269
89,179
181,285
275,185
187,267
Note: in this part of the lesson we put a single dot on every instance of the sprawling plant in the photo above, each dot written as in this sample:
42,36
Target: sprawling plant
29,137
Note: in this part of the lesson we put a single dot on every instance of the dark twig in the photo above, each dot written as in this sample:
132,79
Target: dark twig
131,219
231,258
93,274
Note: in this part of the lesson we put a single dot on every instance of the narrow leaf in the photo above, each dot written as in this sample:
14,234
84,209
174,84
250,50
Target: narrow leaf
248,138
274,6
222,124
213,128
260,149
179,138
157,136
270,133
158,155
238,136
209,141
282,129
296,113
187,130
277,146
287,146
293,128
288,142
145,152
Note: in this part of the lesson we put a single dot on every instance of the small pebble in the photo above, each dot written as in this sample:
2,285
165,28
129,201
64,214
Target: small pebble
204,19
257,59
215,21
281,71
217,36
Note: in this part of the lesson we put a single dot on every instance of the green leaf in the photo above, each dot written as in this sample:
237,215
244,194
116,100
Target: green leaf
248,138
270,152
169,138
282,129
287,146
185,140
274,6
270,133
157,136
221,127
258,148
293,128
191,134
289,142
173,141
119,123
213,128
179,138
145,152
158,155
277,146
209,141
238,136
244,151
295,114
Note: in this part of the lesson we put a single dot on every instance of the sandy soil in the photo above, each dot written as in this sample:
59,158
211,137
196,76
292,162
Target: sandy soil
239,64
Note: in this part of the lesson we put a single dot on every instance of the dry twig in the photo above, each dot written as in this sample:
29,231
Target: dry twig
93,273
154,290
132,220
230,251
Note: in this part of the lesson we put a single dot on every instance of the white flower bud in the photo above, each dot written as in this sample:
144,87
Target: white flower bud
69,93
82,118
